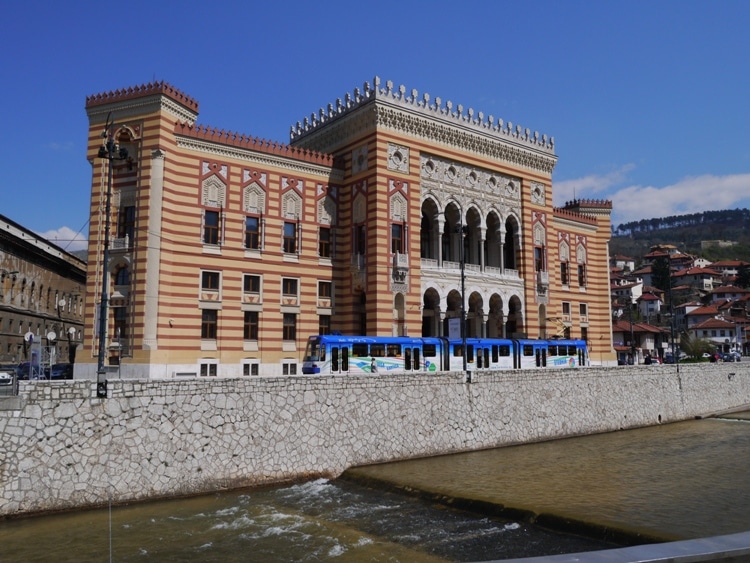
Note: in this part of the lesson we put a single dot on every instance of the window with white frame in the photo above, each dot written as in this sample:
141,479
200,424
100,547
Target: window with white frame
208,368
250,367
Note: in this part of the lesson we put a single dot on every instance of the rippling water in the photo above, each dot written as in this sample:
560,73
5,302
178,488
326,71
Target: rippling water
677,481
314,521
681,480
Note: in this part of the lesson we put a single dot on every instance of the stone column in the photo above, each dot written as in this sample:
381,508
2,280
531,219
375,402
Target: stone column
153,252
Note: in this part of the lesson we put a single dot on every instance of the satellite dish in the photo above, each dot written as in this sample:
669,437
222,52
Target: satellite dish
29,337
61,303
51,335
72,330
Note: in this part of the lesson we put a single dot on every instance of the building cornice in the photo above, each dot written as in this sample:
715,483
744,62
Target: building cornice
432,122
154,93
259,158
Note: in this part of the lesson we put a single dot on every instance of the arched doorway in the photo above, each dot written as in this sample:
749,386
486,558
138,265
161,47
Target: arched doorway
431,313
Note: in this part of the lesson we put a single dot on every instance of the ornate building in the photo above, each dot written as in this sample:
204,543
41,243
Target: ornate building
227,251
41,297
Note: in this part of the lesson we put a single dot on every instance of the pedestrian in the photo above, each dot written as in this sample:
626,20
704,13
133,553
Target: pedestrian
647,359
373,366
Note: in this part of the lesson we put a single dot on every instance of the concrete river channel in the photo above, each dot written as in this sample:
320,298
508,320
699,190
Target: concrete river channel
665,483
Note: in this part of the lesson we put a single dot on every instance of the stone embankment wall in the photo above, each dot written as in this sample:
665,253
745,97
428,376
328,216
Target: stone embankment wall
64,448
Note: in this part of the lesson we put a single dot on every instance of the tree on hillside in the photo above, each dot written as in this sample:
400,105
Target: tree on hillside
660,274
743,277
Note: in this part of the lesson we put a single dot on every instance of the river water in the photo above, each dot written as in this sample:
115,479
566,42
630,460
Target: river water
676,481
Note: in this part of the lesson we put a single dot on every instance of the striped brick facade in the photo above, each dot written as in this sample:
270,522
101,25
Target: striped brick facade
342,242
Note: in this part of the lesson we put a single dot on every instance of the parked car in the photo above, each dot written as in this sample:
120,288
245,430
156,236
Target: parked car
7,373
61,371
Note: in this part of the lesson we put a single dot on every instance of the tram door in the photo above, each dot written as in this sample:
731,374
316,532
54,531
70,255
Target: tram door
411,359
541,357
339,359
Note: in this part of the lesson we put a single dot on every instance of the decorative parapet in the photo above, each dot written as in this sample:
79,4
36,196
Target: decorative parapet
214,135
149,89
562,213
584,210
470,120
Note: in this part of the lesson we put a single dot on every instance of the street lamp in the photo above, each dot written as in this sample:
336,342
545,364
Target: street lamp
462,230
112,152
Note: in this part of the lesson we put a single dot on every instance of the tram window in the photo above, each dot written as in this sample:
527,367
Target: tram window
415,359
479,358
377,350
335,359
571,350
394,350
407,358
429,350
505,350
359,350
553,350
344,358
458,350
528,350
538,358
495,357
470,353
486,357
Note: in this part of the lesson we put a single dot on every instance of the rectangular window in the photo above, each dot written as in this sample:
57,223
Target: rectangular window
397,236
289,287
208,324
582,275
250,368
252,233
360,244
360,350
290,238
565,273
539,264
584,334
210,281
290,326
121,322
211,227
566,308
126,224
250,326
583,309
324,289
289,368
251,283
324,242
324,324
208,370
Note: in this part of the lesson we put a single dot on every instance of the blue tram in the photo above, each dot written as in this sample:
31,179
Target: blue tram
341,355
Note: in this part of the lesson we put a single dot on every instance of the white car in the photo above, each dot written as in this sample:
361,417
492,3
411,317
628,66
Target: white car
6,377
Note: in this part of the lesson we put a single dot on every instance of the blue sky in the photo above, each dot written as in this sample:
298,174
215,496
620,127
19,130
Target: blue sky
648,101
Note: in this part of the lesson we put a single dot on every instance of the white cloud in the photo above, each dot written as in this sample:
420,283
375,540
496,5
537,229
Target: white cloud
689,195
635,202
590,187
66,238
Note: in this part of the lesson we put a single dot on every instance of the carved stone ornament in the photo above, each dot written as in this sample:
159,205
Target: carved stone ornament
538,193
398,158
359,159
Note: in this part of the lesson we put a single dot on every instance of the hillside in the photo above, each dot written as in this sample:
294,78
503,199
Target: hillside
686,232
